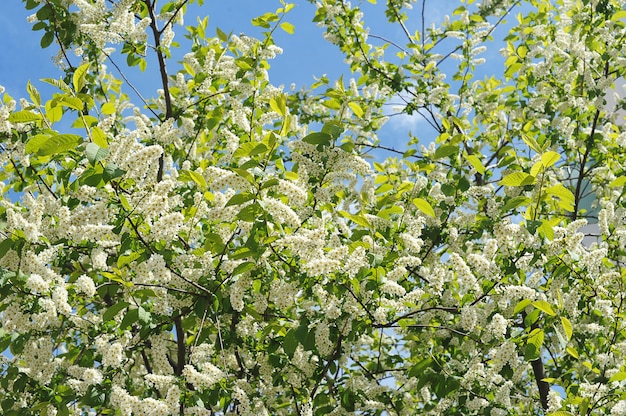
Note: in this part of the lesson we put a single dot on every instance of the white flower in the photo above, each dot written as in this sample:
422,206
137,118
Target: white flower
92,376
86,285
205,379
37,284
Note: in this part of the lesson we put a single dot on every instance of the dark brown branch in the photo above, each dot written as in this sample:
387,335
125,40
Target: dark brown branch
544,387
181,354
539,372
130,84
164,78
171,19
582,171
336,354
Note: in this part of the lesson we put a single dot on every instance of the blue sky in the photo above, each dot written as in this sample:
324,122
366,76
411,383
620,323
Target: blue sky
24,60
306,53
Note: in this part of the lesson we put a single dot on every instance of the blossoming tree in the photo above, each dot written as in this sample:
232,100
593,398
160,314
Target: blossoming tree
224,247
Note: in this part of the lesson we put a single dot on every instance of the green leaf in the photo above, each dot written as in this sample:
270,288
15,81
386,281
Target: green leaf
565,195
318,138
34,94
544,306
250,213
23,116
618,182
85,122
567,327
113,310
560,413
549,158
546,230
620,15
250,149
388,212
243,267
356,218
446,150
129,319
125,259
95,153
424,206
521,305
288,27
571,351
108,108
221,35
99,137
532,143
112,171
59,83
333,128
476,163
92,176
515,202
46,39
143,315
5,246
518,179
78,79
534,343
618,377
279,104
34,143
72,102
239,199
245,174
290,342
116,278
53,113
356,108
190,175
59,143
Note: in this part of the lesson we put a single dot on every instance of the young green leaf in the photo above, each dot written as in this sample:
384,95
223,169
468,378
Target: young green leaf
618,377
567,327
34,94
78,79
279,104
95,153
59,143
113,310
544,306
549,158
5,246
356,108
517,179
445,151
424,206
288,27
24,116
108,108
476,163
566,196
99,137
318,138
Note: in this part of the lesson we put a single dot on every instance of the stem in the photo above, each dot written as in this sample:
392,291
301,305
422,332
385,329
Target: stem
181,345
589,145
539,372
544,388
164,81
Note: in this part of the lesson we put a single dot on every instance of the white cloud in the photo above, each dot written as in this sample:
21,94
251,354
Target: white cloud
400,120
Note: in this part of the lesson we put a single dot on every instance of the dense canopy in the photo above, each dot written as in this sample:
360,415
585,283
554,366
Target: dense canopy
224,245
